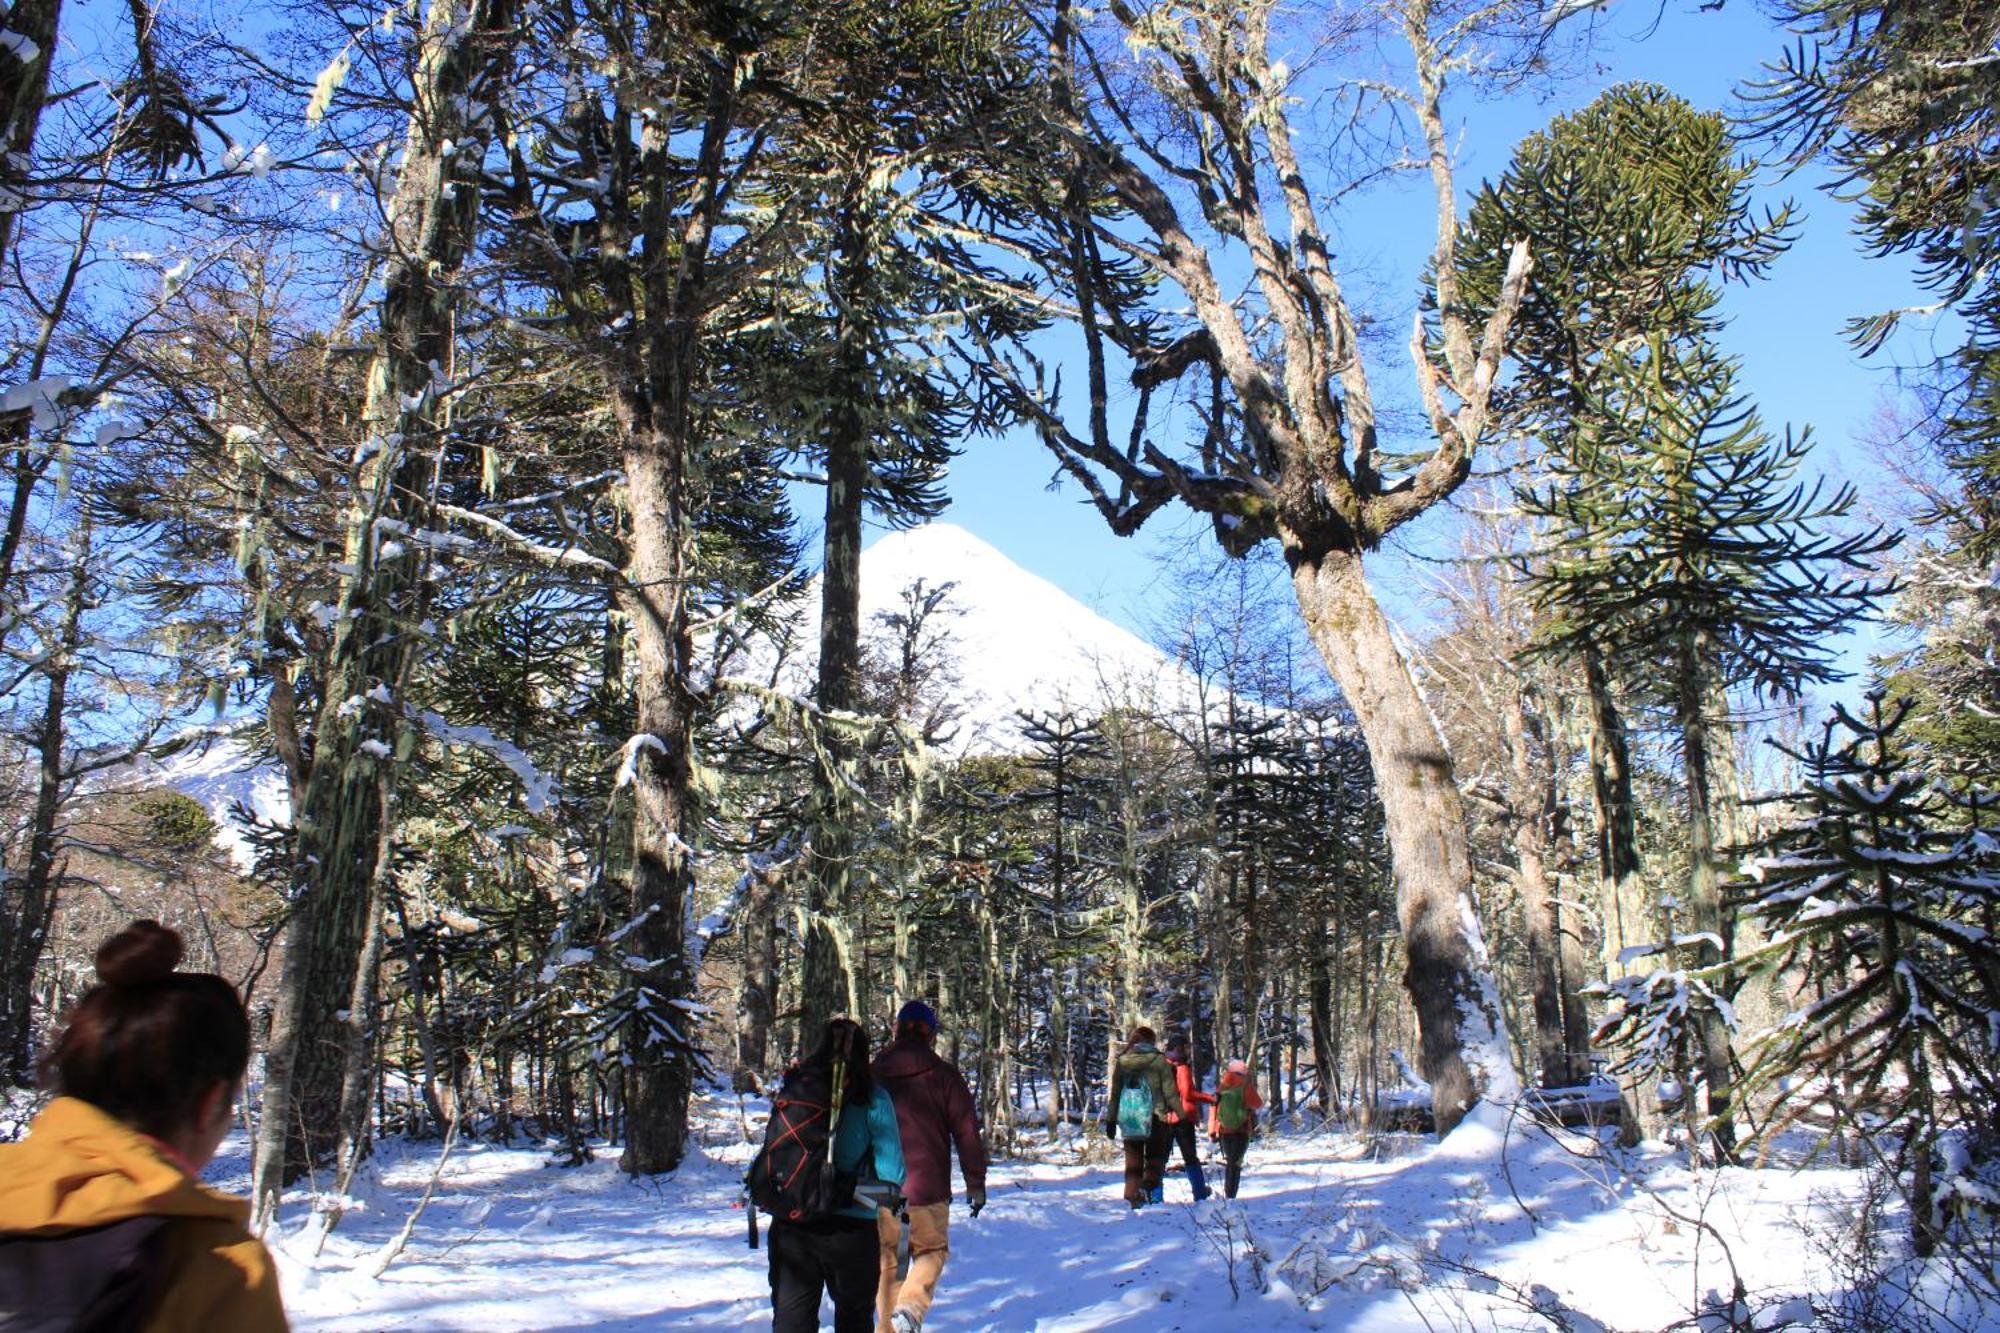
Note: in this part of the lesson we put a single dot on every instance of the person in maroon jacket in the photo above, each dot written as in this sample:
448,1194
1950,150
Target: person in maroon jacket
933,1110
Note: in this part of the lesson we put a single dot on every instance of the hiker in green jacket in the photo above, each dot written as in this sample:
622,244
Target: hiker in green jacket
1143,1109
1232,1121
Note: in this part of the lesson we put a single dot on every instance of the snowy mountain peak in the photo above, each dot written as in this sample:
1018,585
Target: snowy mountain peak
910,552
1014,640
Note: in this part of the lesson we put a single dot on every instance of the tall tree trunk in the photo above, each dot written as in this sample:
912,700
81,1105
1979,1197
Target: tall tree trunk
1058,1047
1320,1002
1628,921
1529,799
341,833
756,993
662,1059
362,1024
1569,946
838,687
1462,1033
30,901
1704,897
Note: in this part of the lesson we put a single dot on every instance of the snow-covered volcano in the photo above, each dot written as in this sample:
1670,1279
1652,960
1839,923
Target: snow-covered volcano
1012,640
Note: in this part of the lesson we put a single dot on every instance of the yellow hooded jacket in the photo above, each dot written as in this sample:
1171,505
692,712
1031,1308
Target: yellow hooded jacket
80,1171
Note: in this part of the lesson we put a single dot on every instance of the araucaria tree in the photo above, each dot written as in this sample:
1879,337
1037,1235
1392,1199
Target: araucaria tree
1902,101
1879,893
1684,541
1181,114
1639,213
860,376
317,1075
621,214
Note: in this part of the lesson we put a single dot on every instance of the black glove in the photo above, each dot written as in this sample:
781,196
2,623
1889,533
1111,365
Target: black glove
1111,1130
975,1195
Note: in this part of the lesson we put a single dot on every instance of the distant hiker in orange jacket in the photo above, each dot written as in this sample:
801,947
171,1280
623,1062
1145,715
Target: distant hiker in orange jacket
1187,1127
1231,1120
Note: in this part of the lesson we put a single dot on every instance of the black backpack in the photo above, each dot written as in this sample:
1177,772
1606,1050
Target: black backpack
97,1280
794,1178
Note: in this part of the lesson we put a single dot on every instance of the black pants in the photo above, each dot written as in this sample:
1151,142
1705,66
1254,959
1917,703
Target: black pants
1184,1134
1232,1162
841,1257
1145,1160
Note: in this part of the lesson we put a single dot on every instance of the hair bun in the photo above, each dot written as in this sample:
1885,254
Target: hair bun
142,953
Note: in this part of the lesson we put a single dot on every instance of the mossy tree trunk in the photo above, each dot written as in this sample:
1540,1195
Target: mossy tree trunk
342,825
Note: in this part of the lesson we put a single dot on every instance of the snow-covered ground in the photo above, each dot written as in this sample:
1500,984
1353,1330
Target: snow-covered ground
1480,1232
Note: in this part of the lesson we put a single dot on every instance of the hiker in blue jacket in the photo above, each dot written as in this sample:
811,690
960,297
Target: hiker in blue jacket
1143,1110
837,1254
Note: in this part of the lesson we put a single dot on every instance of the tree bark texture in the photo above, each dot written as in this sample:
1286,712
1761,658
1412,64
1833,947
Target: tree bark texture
827,983
1532,799
1569,945
1463,1037
24,87
652,403
662,1062
757,983
1627,919
1704,898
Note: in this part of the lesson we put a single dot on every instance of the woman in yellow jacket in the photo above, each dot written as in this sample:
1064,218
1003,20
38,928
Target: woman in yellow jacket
103,1222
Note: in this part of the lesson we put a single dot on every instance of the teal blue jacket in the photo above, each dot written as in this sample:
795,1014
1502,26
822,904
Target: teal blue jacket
862,1130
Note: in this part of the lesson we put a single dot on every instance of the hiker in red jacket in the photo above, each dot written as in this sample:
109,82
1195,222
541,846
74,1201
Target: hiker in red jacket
934,1110
1232,1120
1186,1129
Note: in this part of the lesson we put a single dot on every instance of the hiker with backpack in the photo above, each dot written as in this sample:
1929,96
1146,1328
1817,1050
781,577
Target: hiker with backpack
934,1111
1232,1120
1187,1129
1144,1106
104,1222
832,1156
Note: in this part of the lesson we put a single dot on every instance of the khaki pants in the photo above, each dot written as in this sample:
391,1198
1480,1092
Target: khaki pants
929,1248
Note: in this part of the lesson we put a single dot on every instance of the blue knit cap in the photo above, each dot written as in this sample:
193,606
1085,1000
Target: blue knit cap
916,1011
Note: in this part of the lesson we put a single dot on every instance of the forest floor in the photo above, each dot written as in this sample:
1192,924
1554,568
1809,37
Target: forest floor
1501,1226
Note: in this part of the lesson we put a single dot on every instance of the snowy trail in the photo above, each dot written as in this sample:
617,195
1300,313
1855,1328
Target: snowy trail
1433,1238
512,1244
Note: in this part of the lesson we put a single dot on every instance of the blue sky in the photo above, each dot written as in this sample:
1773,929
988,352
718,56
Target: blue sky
1787,329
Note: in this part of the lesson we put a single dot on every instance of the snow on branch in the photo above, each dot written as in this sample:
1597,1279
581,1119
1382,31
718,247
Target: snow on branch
537,787
557,557
628,757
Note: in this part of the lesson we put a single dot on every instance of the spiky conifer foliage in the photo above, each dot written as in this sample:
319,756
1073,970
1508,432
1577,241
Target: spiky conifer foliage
1684,545
1686,519
1903,101
1639,211
1879,894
